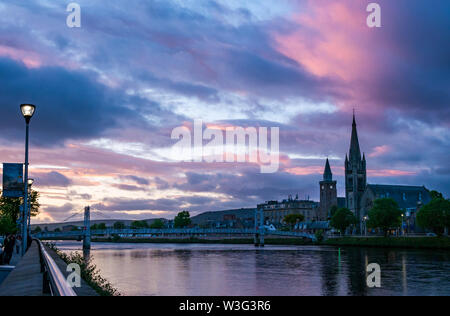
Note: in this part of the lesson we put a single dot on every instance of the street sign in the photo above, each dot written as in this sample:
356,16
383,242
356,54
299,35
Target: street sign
13,180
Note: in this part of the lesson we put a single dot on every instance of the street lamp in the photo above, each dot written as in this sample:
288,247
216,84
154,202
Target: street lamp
27,112
402,224
30,183
365,225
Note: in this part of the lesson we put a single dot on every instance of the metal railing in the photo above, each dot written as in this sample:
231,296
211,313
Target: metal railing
173,231
54,281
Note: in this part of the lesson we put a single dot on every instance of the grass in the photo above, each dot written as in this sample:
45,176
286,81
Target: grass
89,272
392,242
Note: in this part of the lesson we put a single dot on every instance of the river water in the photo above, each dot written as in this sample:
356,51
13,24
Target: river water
233,270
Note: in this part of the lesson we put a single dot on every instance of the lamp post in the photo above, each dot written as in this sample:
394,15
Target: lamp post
401,230
27,112
30,183
365,225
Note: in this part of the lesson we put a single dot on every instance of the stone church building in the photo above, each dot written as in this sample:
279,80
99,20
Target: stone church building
359,196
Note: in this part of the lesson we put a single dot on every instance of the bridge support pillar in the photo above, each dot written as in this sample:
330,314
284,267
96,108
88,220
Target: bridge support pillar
256,237
259,228
87,228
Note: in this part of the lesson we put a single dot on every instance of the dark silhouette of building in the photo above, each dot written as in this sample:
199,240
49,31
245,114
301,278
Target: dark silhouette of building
355,174
409,199
276,211
328,193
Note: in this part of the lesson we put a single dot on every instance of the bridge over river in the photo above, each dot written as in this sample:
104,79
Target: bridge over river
258,232
180,232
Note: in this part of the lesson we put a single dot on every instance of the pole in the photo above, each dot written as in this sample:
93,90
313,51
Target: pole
261,228
29,214
87,227
25,195
256,242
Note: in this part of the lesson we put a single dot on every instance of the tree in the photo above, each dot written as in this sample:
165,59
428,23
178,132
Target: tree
37,230
385,214
319,235
333,210
292,219
182,220
157,224
436,195
11,206
94,227
7,226
101,226
435,215
139,224
119,225
342,219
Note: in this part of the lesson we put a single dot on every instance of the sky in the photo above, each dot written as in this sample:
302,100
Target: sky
110,93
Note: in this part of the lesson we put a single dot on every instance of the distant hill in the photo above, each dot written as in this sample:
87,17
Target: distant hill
203,218
242,213
107,222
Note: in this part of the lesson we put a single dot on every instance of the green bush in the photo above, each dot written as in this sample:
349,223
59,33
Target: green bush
89,272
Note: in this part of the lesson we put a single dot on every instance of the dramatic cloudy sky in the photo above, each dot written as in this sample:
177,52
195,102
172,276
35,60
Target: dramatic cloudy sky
110,93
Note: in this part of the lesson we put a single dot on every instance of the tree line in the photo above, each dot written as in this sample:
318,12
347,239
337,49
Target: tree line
386,215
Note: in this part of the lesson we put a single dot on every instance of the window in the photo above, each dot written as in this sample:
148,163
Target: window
420,196
404,196
331,187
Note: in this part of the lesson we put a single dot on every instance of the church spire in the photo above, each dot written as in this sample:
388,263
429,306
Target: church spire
327,175
355,152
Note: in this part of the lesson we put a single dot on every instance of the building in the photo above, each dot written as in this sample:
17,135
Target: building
409,198
355,174
328,193
359,196
275,211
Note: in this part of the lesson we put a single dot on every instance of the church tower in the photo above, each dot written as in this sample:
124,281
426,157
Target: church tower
355,174
328,193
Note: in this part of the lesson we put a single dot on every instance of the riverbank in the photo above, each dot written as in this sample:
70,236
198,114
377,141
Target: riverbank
380,242
392,242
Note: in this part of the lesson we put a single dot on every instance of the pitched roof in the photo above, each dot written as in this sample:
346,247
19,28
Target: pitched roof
355,151
406,196
327,175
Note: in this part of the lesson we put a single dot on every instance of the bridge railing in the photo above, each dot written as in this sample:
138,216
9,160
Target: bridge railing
175,231
54,281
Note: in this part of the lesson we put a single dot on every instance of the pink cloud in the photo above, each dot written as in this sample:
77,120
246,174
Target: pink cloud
303,171
329,40
30,59
380,151
389,173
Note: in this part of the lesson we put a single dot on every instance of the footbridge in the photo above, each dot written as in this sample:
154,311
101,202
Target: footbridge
258,232
187,232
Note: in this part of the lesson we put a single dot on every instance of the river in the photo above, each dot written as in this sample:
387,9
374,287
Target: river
234,270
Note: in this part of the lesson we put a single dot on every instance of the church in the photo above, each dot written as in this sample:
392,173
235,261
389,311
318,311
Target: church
359,196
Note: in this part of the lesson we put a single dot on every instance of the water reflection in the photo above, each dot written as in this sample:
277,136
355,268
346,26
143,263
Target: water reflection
199,270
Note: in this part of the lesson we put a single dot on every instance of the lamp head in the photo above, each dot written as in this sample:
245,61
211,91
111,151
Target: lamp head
27,111
30,182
